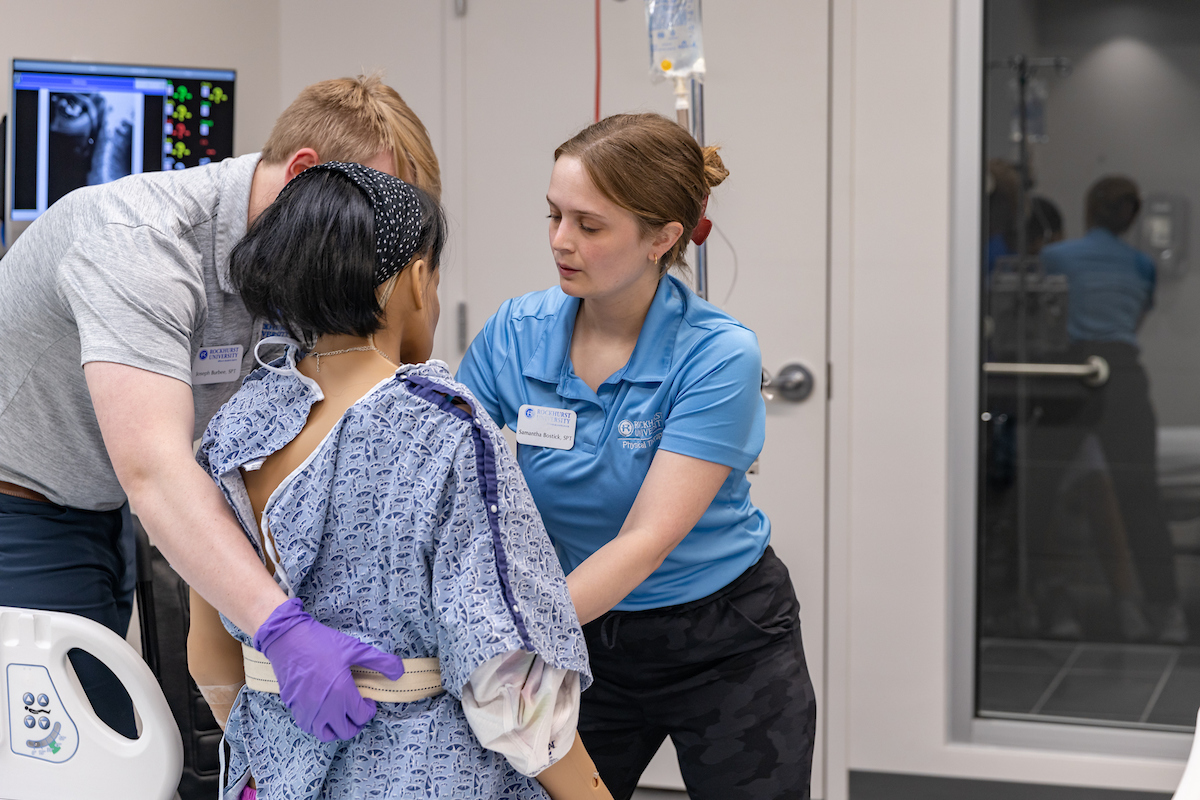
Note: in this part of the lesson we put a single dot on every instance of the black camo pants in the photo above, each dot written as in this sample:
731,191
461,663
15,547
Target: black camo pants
723,676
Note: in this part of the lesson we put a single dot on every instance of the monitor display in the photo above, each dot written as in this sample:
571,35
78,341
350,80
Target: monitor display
77,124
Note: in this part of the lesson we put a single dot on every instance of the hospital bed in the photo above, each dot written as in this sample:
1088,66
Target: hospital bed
52,745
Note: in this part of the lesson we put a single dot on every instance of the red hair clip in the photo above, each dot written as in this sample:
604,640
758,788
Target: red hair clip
703,227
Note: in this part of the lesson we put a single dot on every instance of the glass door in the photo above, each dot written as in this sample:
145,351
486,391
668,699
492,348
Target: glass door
1089,425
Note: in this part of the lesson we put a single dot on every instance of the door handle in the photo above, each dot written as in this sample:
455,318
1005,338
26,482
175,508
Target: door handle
794,383
1094,372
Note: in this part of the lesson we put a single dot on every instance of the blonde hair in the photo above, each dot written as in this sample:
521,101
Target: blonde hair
651,167
354,119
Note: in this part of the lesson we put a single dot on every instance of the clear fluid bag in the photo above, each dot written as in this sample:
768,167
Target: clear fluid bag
676,39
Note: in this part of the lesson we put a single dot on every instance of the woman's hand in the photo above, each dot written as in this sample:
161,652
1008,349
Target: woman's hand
677,491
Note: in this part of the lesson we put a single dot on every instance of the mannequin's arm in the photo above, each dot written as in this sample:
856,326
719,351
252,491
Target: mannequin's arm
214,659
574,776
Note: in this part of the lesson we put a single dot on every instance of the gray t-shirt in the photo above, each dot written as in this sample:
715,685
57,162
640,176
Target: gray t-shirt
134,272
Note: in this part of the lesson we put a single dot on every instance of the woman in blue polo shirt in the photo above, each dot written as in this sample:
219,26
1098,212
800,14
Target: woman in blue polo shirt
637,412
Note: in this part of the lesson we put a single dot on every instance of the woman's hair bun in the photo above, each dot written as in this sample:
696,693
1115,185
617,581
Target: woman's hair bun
714,167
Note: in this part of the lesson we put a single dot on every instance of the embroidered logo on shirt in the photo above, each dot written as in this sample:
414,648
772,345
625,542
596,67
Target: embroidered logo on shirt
639,434
271,329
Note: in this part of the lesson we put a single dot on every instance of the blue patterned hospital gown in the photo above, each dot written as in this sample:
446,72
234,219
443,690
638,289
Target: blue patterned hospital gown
411,528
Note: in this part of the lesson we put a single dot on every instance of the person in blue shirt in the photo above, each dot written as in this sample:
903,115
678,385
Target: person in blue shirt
1110,290
637,412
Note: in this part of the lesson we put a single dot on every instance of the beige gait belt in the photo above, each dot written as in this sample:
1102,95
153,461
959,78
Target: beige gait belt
422,678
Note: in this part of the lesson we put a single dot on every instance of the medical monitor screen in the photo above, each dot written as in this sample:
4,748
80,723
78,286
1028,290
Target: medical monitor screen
80,124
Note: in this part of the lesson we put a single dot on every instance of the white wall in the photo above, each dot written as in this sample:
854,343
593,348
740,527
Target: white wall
888,332
226,34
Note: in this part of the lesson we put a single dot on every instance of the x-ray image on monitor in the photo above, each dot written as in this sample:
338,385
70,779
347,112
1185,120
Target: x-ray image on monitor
91,138
77,124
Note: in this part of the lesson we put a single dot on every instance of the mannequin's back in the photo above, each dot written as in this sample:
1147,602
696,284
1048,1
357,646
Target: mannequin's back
344,380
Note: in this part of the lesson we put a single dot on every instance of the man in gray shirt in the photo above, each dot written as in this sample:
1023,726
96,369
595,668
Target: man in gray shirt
120,336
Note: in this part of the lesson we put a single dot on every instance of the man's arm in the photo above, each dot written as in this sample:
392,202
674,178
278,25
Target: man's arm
147,420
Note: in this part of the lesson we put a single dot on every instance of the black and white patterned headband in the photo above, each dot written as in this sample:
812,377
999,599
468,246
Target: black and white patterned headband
397,215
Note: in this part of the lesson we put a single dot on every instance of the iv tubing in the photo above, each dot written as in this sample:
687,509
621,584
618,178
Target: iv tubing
681,102
597,61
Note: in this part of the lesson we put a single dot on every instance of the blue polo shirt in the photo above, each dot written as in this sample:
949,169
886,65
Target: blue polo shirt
690,387
1110,285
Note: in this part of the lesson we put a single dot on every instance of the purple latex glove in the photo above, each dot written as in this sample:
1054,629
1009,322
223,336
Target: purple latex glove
312,664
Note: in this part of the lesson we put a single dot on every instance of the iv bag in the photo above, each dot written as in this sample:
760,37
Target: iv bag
676,41
1036,93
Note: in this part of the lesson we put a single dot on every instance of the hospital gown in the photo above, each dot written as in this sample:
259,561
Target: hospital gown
411,528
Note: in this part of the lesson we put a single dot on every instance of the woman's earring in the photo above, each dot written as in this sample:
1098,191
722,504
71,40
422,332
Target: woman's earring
656,257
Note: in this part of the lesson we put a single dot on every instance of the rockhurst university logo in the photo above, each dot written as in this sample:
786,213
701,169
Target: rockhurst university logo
640,434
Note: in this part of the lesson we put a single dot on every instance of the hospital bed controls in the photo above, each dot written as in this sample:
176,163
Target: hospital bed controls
35,704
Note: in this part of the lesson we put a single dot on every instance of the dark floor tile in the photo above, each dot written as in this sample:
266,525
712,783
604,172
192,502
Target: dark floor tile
890,786
1011,690
1034,654
1127,659
1112,697
1179,699
1189,657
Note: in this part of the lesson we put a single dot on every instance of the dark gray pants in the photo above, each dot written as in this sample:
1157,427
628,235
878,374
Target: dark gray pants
82,562
1122,417
724,677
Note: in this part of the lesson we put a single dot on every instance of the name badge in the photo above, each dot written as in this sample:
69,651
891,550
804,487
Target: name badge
217,364
546,427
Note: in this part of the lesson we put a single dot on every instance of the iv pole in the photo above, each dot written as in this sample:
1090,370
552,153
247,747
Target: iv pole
1025,68
689,113
698,133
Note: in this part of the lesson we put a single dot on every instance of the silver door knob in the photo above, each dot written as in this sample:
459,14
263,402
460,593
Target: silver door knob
794,383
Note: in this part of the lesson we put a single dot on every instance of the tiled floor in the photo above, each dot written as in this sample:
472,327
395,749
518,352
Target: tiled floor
1135,685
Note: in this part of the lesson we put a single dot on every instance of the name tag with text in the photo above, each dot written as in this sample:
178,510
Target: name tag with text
217,364
546,427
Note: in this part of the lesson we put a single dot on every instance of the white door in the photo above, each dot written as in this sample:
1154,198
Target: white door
520,80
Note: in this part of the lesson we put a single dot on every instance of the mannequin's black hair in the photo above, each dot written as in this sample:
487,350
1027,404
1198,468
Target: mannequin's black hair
308,262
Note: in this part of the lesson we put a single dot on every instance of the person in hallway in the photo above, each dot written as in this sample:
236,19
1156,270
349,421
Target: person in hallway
120,336
637,412
1043,225
1087,490
1110,290
1002,215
